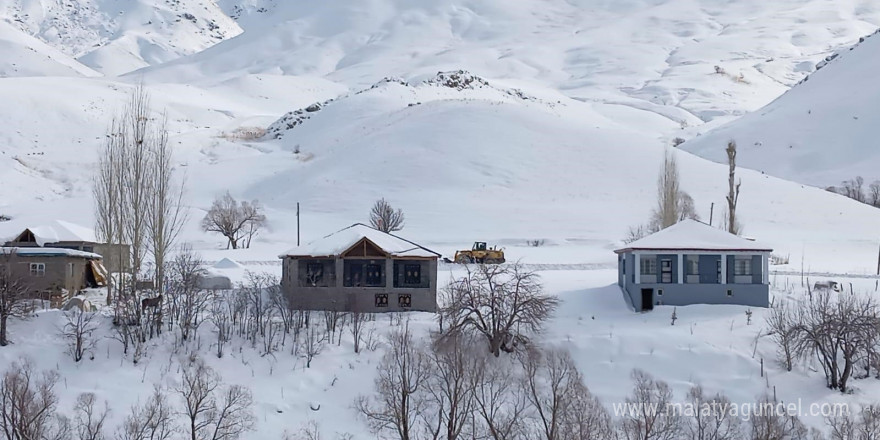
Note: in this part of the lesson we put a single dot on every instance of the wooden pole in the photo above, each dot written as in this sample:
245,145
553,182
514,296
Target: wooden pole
712,211
297,223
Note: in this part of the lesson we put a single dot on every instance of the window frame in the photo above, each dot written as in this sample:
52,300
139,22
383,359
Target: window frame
37,269
371,279
648,263
692,265
742,267
381,300
665,271
416,279
404,300
320,275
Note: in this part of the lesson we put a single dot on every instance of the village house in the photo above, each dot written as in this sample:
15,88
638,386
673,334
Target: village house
53,274
361,269
694,263
60,234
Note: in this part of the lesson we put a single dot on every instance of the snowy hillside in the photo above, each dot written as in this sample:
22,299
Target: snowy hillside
118,37
821,132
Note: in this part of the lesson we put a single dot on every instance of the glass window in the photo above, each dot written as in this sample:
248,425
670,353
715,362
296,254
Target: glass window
314,273
381,300
648,266
38,269
412,274
742,266
693,264
665,271
404,301
373,275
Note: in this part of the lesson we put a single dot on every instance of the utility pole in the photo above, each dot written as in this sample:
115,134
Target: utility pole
297,223
712,211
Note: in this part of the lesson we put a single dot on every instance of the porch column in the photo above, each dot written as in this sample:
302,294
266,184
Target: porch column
637,268
765,268
389,273
723,268
340,271
680,268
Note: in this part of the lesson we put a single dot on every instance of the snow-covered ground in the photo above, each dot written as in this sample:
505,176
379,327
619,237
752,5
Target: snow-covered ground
558,138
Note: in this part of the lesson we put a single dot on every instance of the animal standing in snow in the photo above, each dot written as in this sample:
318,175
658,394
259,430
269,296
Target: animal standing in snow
151,302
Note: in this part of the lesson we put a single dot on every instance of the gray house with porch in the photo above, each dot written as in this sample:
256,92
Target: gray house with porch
361,269
694,263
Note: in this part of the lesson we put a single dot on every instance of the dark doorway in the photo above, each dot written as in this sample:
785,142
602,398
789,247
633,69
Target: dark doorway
647,299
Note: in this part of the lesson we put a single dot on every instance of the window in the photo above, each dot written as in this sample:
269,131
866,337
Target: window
718,267
729,292
38,269
373,275
693,264
659,292
404,301
412,274
742,266
314,273
88,249
648,266
381,300
364,273
665,271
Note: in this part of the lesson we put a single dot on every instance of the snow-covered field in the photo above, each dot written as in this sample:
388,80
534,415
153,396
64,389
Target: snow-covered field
558,137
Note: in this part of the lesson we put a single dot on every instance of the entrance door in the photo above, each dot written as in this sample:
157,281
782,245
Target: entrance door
647,299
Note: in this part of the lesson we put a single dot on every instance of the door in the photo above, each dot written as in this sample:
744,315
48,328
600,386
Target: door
647,299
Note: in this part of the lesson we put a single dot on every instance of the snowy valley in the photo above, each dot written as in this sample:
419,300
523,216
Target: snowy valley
538,125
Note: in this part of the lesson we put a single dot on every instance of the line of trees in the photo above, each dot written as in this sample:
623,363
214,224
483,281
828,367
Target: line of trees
856,190
454,389
207,409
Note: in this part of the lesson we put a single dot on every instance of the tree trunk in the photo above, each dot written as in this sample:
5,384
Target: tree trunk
3,341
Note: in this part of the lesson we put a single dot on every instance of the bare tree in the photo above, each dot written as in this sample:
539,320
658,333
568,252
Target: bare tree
770,421
448,412
206,416
782,328
89,420
313,344
500,406
28,404
396,404
385,218
562,405
709,419
234,220
865,426
732,221
673,204
356,326
874,193
166,212
504,304
836,330
13,293
647,417
221,317
78,331
151,421
184,286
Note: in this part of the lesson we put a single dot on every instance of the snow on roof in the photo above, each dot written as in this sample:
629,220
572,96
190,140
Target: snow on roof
60,230
48,252
696,236
226,263
341,241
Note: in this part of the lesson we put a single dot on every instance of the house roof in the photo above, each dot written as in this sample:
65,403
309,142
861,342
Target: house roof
58,230
338,242
48,252
693,235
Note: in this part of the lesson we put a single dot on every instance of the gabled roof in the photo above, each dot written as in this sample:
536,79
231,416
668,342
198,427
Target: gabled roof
693,235
48,252
58,230
341,241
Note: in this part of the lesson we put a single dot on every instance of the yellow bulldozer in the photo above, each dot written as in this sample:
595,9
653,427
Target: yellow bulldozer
480,253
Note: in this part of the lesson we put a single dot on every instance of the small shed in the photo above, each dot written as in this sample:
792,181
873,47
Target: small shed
361,269
60,234
54,273
694,263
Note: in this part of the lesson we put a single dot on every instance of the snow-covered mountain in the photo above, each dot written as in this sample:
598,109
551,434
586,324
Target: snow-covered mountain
117,37
821,132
